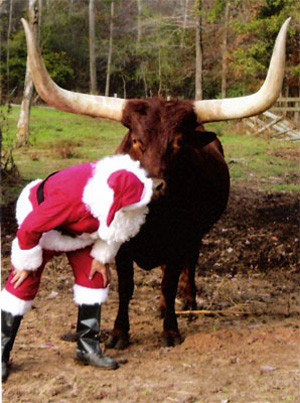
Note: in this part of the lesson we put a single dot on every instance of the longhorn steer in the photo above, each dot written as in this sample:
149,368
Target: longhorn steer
168,139
165,137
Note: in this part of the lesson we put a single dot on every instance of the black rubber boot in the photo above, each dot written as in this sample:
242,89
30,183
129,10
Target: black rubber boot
88,349
9,328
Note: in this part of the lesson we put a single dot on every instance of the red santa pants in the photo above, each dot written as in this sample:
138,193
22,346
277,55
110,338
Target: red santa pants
80,261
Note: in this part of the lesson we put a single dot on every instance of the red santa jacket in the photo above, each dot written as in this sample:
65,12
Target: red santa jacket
101,203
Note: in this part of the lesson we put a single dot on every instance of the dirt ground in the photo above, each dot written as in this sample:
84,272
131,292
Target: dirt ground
248,352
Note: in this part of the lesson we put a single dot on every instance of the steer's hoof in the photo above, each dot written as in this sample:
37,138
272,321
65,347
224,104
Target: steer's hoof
171,339
189,306
119,342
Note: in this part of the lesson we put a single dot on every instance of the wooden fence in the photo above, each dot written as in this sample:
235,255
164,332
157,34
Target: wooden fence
289,108
281,121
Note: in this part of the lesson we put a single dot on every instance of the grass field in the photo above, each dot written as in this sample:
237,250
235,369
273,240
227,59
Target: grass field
59,140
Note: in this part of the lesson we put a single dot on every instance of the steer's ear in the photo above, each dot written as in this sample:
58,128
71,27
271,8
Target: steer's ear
134,111
126,121
201,139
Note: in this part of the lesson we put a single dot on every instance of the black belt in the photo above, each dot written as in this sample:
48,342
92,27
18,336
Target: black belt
41,198
40,190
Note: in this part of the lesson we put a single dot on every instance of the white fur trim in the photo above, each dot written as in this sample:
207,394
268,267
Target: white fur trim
14,305
26,259
55,240
89,296
98,197
124,226
104,252
24,206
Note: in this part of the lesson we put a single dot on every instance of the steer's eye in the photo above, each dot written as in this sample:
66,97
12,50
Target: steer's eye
137,145
177,143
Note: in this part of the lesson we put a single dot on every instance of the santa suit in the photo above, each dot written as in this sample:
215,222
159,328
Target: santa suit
88,211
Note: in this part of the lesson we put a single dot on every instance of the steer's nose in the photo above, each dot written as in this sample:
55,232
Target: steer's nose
159,188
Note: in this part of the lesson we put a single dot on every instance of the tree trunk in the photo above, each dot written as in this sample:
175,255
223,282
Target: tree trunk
159,71
144,79
139,27
23,123
110,49
199,52
71,6
184,23
124,87
8,40
93,81
40,14
224,51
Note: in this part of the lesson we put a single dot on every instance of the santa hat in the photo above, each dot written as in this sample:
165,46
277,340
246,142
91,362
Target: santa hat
118,194
128,190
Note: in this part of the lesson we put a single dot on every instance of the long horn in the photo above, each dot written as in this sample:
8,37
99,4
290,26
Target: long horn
98,106
242,107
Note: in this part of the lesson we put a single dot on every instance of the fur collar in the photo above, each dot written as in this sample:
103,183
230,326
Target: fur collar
98,198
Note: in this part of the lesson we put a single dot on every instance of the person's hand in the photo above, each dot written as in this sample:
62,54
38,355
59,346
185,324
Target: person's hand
101,268
19,276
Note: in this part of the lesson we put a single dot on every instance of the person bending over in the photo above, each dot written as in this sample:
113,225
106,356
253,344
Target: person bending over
86,211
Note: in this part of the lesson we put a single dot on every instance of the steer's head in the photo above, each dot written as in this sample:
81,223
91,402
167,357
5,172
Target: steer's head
156,131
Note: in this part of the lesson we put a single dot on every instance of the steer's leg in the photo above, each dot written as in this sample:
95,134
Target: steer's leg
171,335
162,302
187,285
119,337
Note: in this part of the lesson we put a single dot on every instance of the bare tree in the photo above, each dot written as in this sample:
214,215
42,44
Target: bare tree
8,40
185,18
139,26
23,123
199,51
138,42
93,81
224,51
40,13
111,30
71,6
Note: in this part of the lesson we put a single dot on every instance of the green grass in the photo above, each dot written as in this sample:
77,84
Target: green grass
59,140
261,163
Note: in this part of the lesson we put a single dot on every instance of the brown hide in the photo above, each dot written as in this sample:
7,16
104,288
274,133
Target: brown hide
166,138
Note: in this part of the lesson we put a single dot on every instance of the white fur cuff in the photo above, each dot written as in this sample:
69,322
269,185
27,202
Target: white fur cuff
14,305
26,259
89,296
104,252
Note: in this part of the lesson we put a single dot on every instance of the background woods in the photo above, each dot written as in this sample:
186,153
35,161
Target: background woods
148,47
